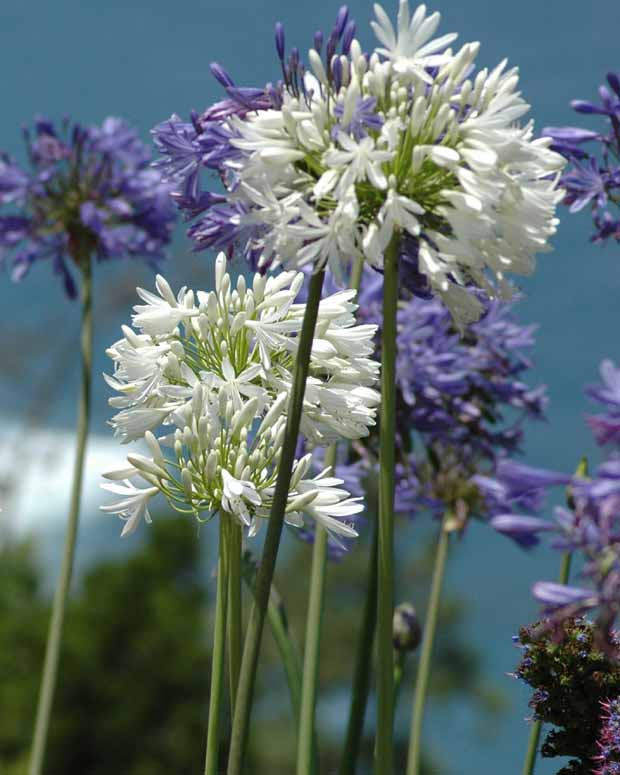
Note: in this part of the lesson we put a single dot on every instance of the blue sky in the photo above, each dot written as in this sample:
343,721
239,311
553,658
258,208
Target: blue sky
144,61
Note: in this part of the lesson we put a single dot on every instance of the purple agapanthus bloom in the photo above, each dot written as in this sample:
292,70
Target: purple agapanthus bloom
588,525
594,176
89,191
205,144
464,399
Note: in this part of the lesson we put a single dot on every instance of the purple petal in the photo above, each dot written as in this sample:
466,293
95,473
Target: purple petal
556,595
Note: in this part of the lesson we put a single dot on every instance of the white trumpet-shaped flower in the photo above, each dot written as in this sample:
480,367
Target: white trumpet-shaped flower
242,343
206,385
409,146
224,460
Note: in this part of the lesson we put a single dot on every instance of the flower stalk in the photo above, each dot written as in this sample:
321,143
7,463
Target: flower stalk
385,558
306,738
54,638
424,667
363,667
249,663
219,651
234,541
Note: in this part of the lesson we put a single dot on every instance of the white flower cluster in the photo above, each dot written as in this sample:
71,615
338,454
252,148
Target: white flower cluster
409,140
215,369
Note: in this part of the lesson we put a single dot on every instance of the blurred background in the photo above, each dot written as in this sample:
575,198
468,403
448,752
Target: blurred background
135,668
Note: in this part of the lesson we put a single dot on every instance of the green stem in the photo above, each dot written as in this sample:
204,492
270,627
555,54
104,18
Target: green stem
218,655
54,638
310,675
288,653
363,667
357,270
234,541
534,738
384,751
249,662
399,671
424,667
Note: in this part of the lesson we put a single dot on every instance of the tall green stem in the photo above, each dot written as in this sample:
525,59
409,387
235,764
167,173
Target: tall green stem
384,751
54,638
234,543
424,667
218,655
363,667
254,632
306,737
534,738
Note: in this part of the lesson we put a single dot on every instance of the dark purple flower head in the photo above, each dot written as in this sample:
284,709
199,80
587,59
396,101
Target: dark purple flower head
608,743
88,191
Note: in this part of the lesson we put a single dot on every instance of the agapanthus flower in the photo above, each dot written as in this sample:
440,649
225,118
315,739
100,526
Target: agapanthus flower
214,370
592,528
342,154
89,191
588,524
593,176
465,399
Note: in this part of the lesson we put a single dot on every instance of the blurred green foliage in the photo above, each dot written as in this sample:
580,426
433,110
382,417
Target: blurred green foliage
134,682
133,688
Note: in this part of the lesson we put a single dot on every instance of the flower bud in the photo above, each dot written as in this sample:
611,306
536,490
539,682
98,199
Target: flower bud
406,628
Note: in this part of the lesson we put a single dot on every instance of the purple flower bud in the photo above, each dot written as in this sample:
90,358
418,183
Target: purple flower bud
614,81
556,595
347,38
341,21
280,40
221,75
247,96
294,58
406,628
330,50
569,134
522,529
337,73
318,41
274,96
582,106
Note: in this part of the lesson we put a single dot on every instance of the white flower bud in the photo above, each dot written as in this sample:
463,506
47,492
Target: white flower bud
220,271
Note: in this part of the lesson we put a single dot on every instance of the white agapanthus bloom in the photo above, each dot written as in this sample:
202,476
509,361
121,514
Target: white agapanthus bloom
410,141
242,342
211,374
222,460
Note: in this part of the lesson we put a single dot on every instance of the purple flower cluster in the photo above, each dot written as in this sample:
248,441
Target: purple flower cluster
464,397
594,175
87,191
189,149
608,743
589,524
